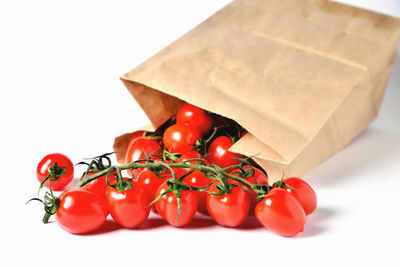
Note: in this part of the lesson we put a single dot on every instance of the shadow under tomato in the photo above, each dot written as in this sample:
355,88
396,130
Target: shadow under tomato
199,222
251,223
315,222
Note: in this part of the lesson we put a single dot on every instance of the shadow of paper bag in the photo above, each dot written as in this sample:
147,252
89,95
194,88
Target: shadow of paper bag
303,77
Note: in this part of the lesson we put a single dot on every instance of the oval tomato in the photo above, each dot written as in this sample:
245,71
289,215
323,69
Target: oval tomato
130,207
42,170
303,192
229,209
150,183
281,213
193,116
167,206
139,148
99,185
180,138
81,211
259,177
218,152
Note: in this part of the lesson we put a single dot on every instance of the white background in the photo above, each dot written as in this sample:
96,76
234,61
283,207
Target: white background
59,66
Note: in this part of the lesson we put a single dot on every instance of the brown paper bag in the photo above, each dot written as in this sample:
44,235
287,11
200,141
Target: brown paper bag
304,77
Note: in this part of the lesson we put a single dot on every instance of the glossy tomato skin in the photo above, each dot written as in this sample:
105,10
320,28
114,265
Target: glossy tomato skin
150,183
137,150
281,213
218,152
167,206
130,207
190,115
81,211
259,177
180,138
99,185
229,209
62,161
303,192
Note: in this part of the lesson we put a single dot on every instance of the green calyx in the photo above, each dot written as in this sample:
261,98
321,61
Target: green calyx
50,203
55,172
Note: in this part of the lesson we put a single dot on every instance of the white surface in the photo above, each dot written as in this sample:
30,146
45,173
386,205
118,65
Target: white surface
60,92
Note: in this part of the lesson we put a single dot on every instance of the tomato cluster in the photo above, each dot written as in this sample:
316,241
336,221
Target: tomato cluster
183,168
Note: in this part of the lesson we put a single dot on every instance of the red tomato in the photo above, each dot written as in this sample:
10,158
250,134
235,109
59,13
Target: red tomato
198,179
128,208
99,185
180,138
218,152
193,116
150,183
281,213
229,209
136,135
187,156
167,206
42,170
137,150
81,211
258,176
302,192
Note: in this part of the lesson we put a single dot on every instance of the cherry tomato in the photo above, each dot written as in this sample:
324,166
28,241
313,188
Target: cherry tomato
180,138
258,176
303,192
193,116
198,179
185,157
150,183
138,148
281,213
229,209
62,162
218,152
128,208
81,211
167,206
99,185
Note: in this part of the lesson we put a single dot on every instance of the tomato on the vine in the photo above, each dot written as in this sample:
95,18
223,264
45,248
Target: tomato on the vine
190,115
56,162
130,207
303,192
167,206
180,138
141,147
99,185
258,176
81,211
218,152
228,209
281,213
150,183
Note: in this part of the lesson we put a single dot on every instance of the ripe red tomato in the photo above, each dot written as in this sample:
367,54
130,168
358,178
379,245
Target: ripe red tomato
302,192
137,150
42,170
185,157
99,185
150,183
81,211
167,206
229,209
193,116
218,152
180,138
258,176
128,208
281,213
198,179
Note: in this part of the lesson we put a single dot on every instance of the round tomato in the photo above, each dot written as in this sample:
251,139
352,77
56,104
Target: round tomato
190,158
62,162
218,152
150,183
229,209
167,206
281,213
180,138
81,211
193,116
130,207
99,185
303,192
138,148
259,177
